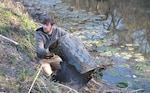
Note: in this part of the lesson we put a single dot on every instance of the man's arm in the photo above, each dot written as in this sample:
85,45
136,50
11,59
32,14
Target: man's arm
40,45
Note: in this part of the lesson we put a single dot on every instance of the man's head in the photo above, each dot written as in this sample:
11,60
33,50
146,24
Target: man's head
48,23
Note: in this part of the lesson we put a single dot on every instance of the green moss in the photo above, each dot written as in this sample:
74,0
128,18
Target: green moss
122,84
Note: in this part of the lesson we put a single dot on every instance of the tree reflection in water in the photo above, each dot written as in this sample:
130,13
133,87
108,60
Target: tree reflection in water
128,19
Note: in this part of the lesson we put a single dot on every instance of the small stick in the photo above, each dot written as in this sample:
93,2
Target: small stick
67,87
16,43
139,90
35,79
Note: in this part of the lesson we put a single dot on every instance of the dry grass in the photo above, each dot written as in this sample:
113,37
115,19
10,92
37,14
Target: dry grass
17,63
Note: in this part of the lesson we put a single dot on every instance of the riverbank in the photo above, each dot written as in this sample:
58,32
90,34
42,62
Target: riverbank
86,26
89,28
73,21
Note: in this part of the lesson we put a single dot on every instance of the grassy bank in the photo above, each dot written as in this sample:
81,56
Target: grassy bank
16,69
16,24
18,66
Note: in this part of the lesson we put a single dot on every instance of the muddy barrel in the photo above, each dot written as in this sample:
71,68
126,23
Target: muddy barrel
74,52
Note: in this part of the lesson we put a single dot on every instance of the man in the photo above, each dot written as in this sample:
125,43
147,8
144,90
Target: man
45,37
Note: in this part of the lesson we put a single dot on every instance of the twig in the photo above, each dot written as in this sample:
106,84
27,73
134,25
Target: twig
104,83
105,65
16,43
69,91
100,89
112,90
35,79
139,90
67,87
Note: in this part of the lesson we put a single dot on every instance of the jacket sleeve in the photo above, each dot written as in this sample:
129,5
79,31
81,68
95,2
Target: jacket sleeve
61,32
40,50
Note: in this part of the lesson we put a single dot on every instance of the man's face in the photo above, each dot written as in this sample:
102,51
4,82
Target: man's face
47,28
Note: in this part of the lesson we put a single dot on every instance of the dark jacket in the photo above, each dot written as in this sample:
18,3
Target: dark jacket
44,41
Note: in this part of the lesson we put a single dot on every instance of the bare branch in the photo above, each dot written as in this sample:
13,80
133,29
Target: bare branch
35,79
67,87
16,43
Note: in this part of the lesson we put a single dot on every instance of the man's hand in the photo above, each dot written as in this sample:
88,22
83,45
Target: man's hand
53,46
49,54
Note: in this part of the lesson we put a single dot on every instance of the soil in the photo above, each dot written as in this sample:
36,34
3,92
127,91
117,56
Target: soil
12,64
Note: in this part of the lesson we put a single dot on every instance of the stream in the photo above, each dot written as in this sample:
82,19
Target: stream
120,29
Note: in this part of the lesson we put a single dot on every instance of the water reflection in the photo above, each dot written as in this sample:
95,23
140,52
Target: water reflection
127,20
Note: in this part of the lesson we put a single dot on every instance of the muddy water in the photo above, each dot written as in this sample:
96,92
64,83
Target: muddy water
127,24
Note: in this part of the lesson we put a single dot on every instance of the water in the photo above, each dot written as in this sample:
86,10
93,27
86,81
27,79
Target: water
128,22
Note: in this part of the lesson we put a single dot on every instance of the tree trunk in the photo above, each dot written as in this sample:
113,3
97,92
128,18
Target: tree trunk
72,50
77,64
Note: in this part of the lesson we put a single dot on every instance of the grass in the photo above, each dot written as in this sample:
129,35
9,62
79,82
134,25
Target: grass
17,24
12,59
